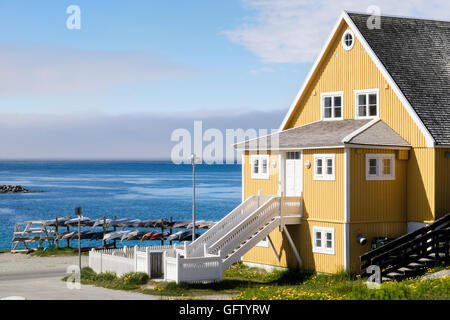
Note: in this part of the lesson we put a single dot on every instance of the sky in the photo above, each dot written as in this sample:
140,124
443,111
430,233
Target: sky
137,70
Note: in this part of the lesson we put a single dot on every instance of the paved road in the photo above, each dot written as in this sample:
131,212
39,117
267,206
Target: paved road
40,278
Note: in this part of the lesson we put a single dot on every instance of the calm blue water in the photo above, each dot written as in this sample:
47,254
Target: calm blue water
139,190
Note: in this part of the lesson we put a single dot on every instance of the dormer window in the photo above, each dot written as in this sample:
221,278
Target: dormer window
332,105
367,103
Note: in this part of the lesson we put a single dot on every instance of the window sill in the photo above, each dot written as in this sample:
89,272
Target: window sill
260,177
324,179
379,178
329,252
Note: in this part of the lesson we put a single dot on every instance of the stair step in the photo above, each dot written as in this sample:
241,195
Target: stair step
386,279
405,269
425,260
416,265
394,274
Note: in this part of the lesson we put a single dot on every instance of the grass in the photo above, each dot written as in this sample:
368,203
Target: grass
51,252
241,282
129,281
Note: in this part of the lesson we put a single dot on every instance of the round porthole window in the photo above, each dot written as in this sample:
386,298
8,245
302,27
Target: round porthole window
348,40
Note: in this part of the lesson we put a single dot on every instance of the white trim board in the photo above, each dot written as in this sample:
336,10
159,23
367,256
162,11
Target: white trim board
346,209
346,145
344,16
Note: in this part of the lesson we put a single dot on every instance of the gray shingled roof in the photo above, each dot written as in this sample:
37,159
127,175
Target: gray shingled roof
326,133
416,53
379,134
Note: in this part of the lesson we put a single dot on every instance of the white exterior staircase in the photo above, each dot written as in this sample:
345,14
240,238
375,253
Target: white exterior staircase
228,240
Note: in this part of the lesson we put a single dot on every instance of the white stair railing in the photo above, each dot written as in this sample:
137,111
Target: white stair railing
247,227
231,220
240,251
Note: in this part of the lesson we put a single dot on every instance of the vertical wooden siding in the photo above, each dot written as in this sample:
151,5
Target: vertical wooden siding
302,236
324,199
376,200
267,186
347,71
421,185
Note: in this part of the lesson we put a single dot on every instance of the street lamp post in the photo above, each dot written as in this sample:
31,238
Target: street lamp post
78,213
193,160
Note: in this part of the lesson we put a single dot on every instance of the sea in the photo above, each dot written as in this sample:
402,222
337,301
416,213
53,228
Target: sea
125,189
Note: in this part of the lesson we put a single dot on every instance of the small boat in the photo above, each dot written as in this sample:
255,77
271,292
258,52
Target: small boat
147,236
74,221
61,221
179,235
136,236
201,224
132,223
159,236
86,234
100,222
119,222
130,235
155,236
181,224
69,235
115,235
147,223
188,236
94,235
75,236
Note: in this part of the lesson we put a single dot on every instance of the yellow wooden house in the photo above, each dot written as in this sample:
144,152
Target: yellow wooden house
365,144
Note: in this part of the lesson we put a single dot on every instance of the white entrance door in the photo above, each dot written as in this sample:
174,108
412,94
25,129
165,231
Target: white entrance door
293,174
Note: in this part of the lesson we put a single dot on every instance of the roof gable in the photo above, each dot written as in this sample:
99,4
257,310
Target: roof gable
345,19
416,53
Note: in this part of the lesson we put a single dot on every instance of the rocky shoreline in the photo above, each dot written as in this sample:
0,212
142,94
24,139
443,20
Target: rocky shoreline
16,189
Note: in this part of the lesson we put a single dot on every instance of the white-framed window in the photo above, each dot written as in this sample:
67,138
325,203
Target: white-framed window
260,166
323,240
380,166
348,40
367,103
332,104
324,167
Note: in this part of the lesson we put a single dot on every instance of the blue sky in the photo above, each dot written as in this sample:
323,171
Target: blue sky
208,70
230,63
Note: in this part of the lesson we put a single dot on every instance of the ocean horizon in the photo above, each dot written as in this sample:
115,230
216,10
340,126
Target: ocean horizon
136,189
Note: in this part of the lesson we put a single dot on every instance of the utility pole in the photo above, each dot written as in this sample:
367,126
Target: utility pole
193,160
78,213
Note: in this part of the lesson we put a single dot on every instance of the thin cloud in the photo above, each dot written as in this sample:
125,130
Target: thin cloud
293,31
127,136
59,71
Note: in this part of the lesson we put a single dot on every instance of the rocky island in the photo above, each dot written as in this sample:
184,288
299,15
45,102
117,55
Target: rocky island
15,189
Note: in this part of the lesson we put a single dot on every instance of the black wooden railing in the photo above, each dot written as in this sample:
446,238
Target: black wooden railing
425,246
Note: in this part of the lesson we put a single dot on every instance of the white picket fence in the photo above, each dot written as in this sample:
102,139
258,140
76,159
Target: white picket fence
200,269
126,260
